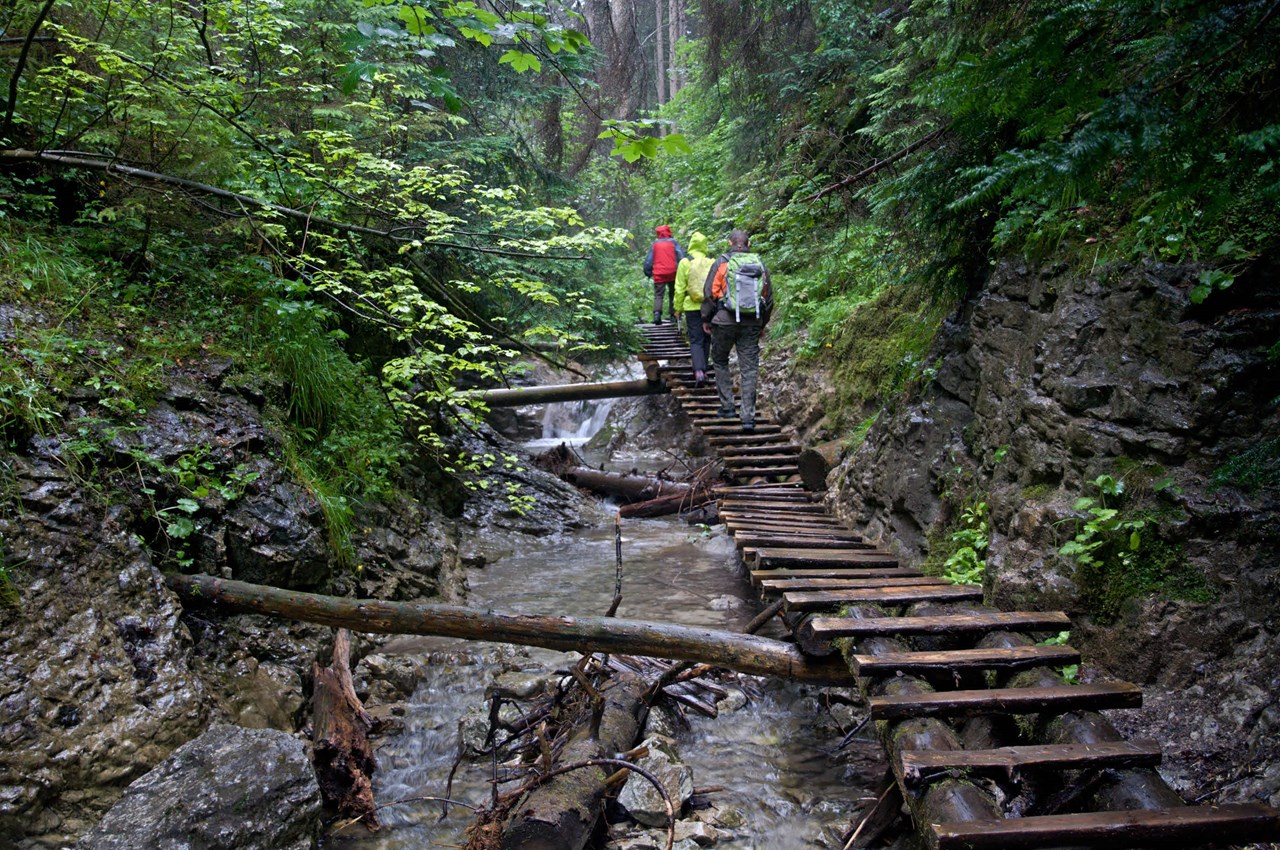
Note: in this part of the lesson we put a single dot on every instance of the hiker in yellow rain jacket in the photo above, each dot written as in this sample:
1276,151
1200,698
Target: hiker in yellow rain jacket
691,274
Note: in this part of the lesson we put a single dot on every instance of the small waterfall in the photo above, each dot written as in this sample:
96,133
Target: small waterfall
575,421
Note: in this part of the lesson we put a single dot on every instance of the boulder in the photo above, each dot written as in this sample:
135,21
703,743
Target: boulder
229,788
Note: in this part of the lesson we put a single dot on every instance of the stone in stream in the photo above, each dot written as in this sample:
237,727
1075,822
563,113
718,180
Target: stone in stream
229,788
641,800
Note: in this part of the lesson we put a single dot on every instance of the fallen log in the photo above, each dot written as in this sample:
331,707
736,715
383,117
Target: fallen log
343,757
672,503
745,653
620,485
567,392
816,462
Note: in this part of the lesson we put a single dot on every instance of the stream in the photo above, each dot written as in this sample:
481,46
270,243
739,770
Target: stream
774,758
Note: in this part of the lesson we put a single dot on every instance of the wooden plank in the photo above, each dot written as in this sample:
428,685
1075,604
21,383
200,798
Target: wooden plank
793,506
795,541
1056,700
942,624
805,518
819,599
1187,827
828,531
837,571
763,428
918,765
998,658
787,585
756,437
762,471
761,460
747,451
777,556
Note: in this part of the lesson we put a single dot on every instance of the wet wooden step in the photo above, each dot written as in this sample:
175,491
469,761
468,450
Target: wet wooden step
1186,827
755,438
764,557
996,658
761,429
792,518
759,526
761,461
788,585
819,599
942,624
749,451
763,471
918,765
1053,700
791,506
758,576
795,541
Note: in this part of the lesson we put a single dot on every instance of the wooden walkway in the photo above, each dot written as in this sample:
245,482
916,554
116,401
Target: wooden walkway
929,656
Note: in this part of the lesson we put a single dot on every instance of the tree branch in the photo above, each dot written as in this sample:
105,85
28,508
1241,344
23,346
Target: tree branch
873,168
18,68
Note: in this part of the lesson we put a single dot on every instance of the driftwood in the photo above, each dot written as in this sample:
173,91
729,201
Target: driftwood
624,486
343,757
561,813
745,653
672,503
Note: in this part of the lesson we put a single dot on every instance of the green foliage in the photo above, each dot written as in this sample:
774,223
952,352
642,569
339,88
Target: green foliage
1119,555
1071,672
1253,469
967,563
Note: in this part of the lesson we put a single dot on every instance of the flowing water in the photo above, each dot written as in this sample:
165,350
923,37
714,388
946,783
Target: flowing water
775,768
773,760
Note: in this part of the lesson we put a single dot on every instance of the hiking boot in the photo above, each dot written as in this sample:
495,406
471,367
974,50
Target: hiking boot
748,426
657,318
699,377
726,413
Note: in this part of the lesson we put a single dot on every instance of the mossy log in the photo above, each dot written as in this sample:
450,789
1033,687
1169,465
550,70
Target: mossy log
751,654
561,813
520,396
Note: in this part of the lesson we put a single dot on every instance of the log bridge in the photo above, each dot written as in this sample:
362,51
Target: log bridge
968,701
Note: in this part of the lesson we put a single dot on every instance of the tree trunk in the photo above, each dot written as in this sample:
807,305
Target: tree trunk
631,488
660,58
816,462
567,392
745,653
344,760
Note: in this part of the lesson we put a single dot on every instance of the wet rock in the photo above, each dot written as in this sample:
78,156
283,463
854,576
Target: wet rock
642,800
702,834
230,788
388,678
734,699
275,539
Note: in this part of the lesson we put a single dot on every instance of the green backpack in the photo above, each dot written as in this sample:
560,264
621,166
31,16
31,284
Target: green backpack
744,285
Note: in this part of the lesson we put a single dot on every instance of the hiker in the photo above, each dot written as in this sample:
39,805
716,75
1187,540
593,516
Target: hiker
737,299
691,276
664,256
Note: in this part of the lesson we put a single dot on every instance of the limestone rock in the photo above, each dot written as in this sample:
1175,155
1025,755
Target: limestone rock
230,788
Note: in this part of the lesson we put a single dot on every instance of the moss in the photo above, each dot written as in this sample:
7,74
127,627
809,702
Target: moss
1036,493
1158,568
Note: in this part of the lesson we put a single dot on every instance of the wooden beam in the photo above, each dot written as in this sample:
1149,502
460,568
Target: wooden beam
918,765
995,658
943,624
881,596
1192,826
1055,700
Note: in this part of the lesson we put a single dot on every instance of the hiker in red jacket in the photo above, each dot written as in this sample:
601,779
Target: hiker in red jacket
664,257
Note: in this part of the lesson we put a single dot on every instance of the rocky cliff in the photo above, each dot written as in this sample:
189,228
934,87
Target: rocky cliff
1051,386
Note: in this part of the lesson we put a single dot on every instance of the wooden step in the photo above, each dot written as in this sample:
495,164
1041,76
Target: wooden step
942,624
819,599
763,471
750,451
919,765
792,506
761,429
775,458
1055,700
764,526
758,576
787,585
996,658
1187,827
794,541
764,557
812,519
758,437
783,527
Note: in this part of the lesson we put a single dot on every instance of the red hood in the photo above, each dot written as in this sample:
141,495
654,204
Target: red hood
663,231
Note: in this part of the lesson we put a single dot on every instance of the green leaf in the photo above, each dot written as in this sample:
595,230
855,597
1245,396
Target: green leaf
521,61
415,18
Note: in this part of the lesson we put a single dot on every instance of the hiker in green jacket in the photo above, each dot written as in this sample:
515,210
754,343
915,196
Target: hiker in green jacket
690,276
